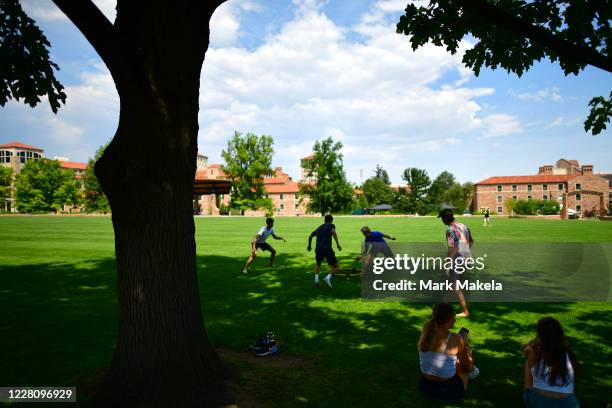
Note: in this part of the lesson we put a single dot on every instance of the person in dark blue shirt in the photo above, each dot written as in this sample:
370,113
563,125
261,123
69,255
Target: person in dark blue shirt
374,244
323,248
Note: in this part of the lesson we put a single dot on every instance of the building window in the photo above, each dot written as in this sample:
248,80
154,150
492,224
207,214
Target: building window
544,197
578,186
499,188
500,210
297,206
282,206
529,187
499,199
513,198
514,187
282,196
560,187
578,197
578,208
529,198
544,187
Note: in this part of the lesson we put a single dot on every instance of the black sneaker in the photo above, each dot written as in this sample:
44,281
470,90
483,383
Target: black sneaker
265,350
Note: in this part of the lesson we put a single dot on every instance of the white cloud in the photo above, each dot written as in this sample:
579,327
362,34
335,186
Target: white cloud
251,6
64,133
553,94
224,26
309,81
562,121
501,124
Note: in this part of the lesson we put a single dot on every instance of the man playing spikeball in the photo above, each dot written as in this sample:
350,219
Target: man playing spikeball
259,241
459,240
374,244
323,248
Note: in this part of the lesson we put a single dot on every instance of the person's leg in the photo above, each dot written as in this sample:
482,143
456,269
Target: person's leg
465,378
465,312
272,255
464,309
318,259
249,261
333,263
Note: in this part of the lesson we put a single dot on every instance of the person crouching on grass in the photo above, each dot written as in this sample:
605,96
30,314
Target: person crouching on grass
459,240
374,244
323,248
259,241
550,368
445,357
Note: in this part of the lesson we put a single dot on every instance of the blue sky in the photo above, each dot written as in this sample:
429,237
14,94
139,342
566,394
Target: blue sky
304,70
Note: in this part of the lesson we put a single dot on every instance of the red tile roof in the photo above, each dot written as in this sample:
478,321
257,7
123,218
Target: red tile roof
73,165
20,145
308,157
540,178
214,165
275,180
282,188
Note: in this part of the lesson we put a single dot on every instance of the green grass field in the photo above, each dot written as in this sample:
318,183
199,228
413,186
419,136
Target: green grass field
58,313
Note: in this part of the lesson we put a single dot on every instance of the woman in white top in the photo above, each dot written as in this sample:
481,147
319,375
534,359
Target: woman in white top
445,357
550,368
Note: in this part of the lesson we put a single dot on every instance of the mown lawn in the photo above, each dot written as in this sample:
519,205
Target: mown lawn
58,313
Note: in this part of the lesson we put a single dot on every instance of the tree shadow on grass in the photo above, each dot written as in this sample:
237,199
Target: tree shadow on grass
60,325
58,322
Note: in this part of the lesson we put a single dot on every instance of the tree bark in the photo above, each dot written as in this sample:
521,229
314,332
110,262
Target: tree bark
163,357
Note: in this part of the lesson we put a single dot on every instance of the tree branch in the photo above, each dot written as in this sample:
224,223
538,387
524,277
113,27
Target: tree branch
93,25
563,48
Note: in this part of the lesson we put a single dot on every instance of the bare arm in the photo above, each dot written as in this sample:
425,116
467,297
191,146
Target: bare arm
389,236
336,239
278,237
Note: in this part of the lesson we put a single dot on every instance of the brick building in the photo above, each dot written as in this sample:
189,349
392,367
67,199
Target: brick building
551,183
284,193
278,186
16,154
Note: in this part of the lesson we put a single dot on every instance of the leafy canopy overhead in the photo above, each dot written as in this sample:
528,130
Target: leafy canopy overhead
26,71
513,34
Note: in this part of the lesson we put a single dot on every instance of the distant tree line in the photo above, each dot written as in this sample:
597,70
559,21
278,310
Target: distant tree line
421,195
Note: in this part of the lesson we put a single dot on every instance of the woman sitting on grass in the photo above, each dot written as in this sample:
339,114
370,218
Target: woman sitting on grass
445,357
550,369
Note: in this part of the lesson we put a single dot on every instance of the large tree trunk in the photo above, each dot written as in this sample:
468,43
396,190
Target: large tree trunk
163,356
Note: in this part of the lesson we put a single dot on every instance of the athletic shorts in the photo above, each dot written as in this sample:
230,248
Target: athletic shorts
449,390
264,246
328,255
381,249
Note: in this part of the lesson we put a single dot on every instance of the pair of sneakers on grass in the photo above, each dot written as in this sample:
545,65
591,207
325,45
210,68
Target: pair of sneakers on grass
265,345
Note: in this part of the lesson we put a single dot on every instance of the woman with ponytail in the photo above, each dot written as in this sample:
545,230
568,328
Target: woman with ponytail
550,369
445,357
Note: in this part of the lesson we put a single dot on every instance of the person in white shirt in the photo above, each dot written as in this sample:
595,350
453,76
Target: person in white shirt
551,368
259,241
